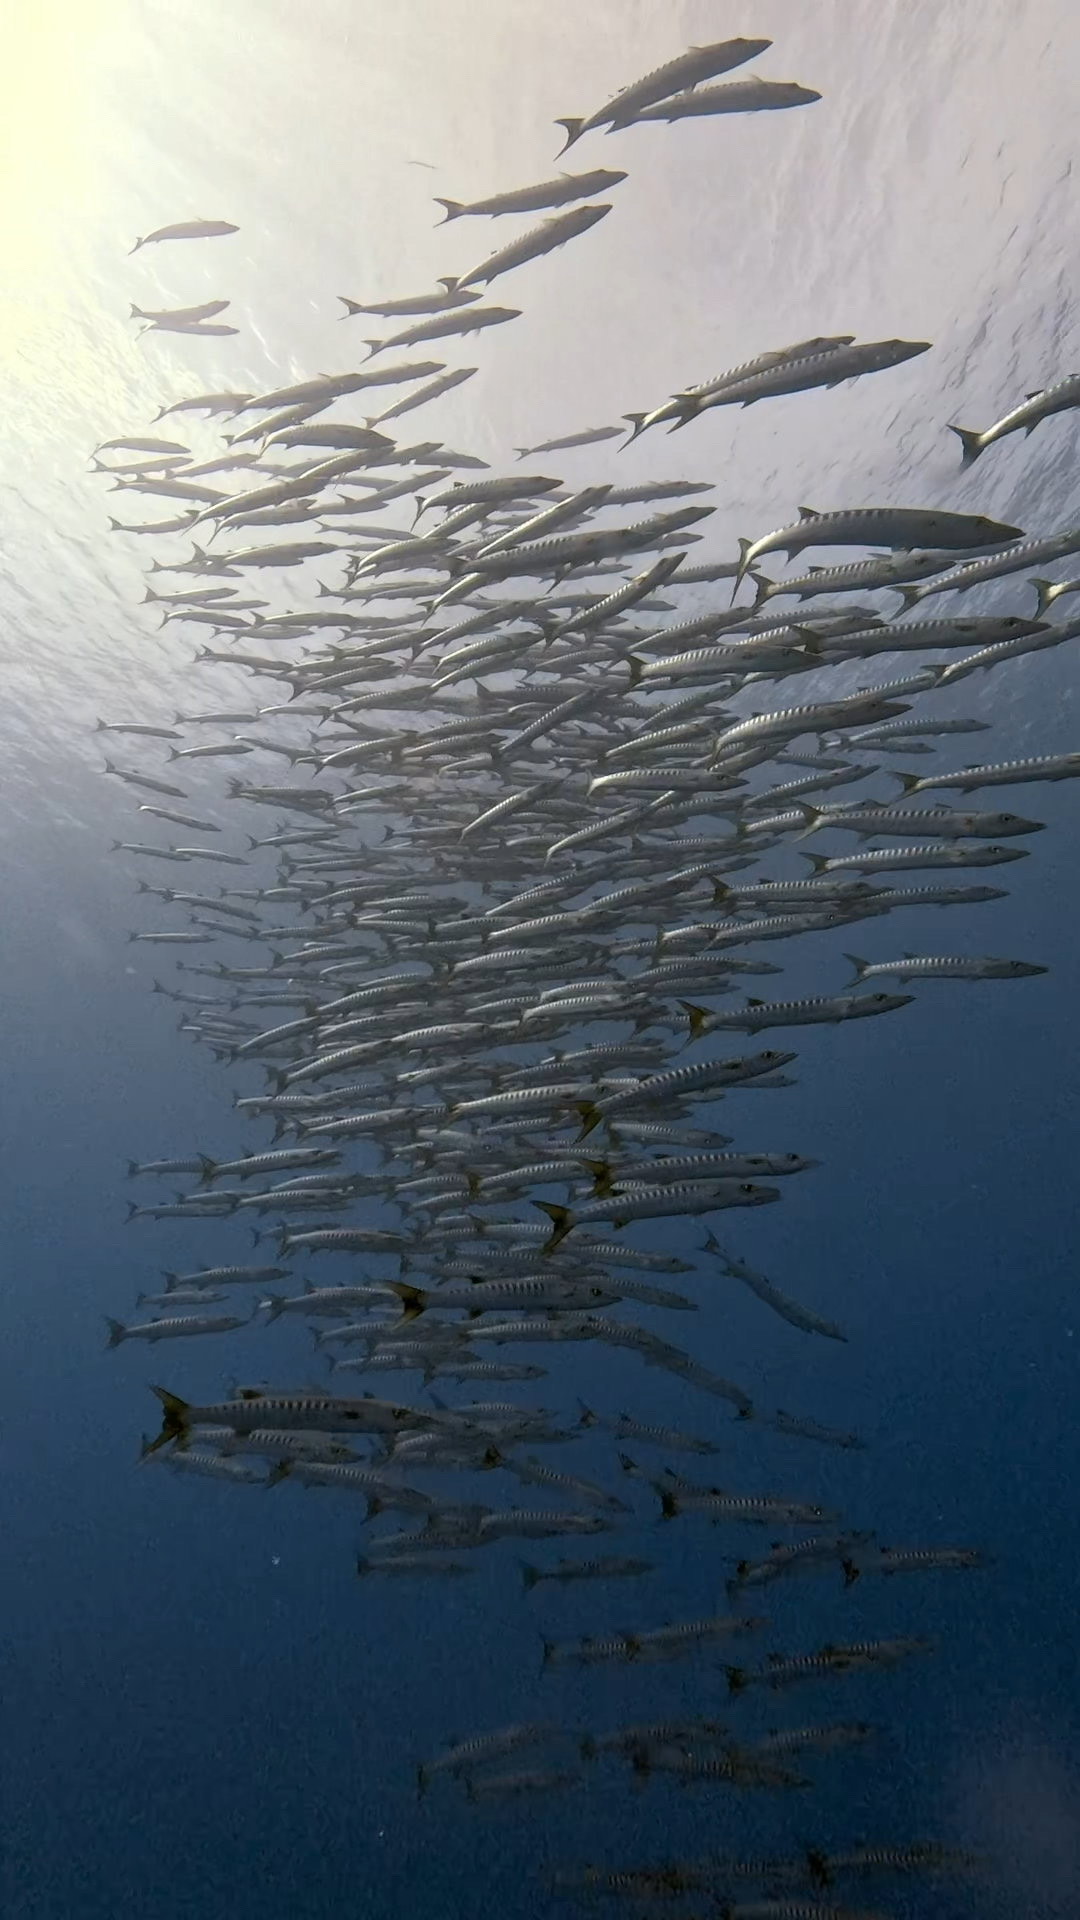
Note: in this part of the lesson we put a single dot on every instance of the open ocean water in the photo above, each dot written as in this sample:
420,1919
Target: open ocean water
206,1711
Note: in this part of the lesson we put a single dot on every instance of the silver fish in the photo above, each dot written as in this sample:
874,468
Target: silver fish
739,96
187,230
685,71
548,193
903,527
1025,418
543,239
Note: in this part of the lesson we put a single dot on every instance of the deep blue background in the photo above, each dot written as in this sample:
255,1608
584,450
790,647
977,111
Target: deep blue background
205,1711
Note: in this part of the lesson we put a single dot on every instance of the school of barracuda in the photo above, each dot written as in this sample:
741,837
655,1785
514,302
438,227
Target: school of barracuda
526,775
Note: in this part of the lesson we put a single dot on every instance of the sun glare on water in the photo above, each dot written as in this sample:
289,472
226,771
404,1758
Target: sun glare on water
61,58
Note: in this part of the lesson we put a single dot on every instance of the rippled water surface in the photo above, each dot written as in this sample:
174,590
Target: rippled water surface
207,1713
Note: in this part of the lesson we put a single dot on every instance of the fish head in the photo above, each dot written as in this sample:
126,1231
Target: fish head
1013,823
751,1195
992,531
1013,626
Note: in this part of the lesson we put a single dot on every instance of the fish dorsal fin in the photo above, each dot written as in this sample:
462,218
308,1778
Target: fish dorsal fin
1034,394
809,513
755,1003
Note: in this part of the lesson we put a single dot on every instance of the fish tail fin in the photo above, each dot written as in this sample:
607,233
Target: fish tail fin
529,1575
669,1505
573,133
278,1473
817,817
350,306
562,1221
587,1747
637,425
736,1678
587,1417
909,595
636,667
413,1299
745,549
698,1017
909,782
117,1332
454,209
132,1210
860,967
209,1169
275,1305
972,443
373,346
720,890
763,584
850,1572
590,1116
174,1418
133,1168
818,861
602,1175
139,243
1046,590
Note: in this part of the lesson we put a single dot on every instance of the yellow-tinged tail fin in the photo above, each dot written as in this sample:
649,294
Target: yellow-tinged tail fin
175,1419
602,1174
562,1221
413,1299
698,1017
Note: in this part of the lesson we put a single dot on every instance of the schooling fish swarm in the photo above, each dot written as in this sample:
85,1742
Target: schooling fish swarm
517,870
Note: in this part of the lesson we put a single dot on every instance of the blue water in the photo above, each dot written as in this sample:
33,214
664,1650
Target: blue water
206,1711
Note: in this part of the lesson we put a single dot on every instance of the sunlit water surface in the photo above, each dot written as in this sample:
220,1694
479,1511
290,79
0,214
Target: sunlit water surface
206,1712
